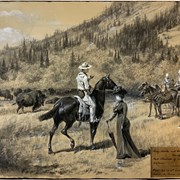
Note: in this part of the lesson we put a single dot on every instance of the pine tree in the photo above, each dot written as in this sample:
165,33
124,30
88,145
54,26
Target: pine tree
47,59
115,56
4,67
72,59
17,65
162,55
30,55
12,64
24,50
41,60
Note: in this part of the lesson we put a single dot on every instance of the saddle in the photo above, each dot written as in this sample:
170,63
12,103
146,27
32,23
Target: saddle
83,110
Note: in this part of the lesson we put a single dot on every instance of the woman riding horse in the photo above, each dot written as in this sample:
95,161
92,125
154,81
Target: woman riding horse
67,108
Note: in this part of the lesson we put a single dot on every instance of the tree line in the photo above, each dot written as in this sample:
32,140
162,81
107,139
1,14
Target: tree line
139,37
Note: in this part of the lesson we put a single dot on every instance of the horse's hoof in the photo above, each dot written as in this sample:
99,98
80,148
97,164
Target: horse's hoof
93,147
50,152
72,145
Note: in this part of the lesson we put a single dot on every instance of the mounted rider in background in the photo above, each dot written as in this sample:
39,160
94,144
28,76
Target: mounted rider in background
177,85
84,89
168,82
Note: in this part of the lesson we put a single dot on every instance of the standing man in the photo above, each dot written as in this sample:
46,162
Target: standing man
84,88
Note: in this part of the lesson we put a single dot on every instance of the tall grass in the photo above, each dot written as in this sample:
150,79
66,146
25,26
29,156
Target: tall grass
24,141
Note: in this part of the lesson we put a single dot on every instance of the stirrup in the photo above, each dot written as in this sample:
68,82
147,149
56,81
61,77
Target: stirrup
94,120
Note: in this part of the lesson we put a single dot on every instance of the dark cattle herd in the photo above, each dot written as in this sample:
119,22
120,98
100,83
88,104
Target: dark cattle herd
35,98
6,94
31,97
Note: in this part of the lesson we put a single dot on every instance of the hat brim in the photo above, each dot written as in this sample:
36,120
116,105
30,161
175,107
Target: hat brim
88,67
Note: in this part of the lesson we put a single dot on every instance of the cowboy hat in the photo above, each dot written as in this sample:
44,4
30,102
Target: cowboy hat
85,65
119,90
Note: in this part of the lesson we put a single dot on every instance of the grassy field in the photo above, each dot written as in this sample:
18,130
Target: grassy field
23,144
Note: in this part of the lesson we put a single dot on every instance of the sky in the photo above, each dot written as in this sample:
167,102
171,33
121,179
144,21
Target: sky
20,20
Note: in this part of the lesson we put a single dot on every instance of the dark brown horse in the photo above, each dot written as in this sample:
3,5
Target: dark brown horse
150,92
158,97
66,109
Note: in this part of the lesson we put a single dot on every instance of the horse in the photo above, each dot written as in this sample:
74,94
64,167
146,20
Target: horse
178,103
166,97
150,92
158,97
66,110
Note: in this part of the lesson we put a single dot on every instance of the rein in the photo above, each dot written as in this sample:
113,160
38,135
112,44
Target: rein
106,90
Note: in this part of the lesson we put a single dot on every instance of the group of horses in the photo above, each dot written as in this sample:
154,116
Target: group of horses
157,97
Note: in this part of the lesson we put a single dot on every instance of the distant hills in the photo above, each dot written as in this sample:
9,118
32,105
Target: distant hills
133,41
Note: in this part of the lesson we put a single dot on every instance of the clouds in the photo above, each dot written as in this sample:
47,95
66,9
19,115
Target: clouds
15,13
10,36
19,15
54,23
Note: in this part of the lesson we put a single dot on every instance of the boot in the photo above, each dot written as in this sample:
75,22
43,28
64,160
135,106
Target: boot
79,116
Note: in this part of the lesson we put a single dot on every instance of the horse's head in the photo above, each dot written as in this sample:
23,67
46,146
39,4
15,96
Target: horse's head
109,83
144,88
157,87
105,83
141,87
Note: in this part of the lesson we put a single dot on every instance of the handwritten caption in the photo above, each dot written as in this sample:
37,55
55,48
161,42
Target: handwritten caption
165,162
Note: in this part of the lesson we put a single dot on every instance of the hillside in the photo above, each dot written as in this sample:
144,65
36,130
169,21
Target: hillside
133,41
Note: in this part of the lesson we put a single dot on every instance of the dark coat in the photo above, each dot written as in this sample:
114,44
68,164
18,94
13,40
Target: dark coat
17,91
52,101
125,145
34,98
27,90
6,94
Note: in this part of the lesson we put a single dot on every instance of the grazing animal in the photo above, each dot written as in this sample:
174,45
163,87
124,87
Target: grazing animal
17,91
66,109
27,90
6,94
52,101
45,91
34,98
51,91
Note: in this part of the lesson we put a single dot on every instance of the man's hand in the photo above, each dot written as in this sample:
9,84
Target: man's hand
88,92
107,121
91,77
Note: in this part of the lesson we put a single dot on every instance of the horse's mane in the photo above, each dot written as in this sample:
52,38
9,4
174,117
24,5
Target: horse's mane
97,83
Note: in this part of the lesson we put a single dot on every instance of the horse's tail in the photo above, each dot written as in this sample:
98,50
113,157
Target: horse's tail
49,114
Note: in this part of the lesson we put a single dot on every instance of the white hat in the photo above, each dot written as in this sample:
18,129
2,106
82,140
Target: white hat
85,65
167,75
179,72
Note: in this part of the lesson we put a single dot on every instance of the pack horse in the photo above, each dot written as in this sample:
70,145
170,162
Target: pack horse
67,108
